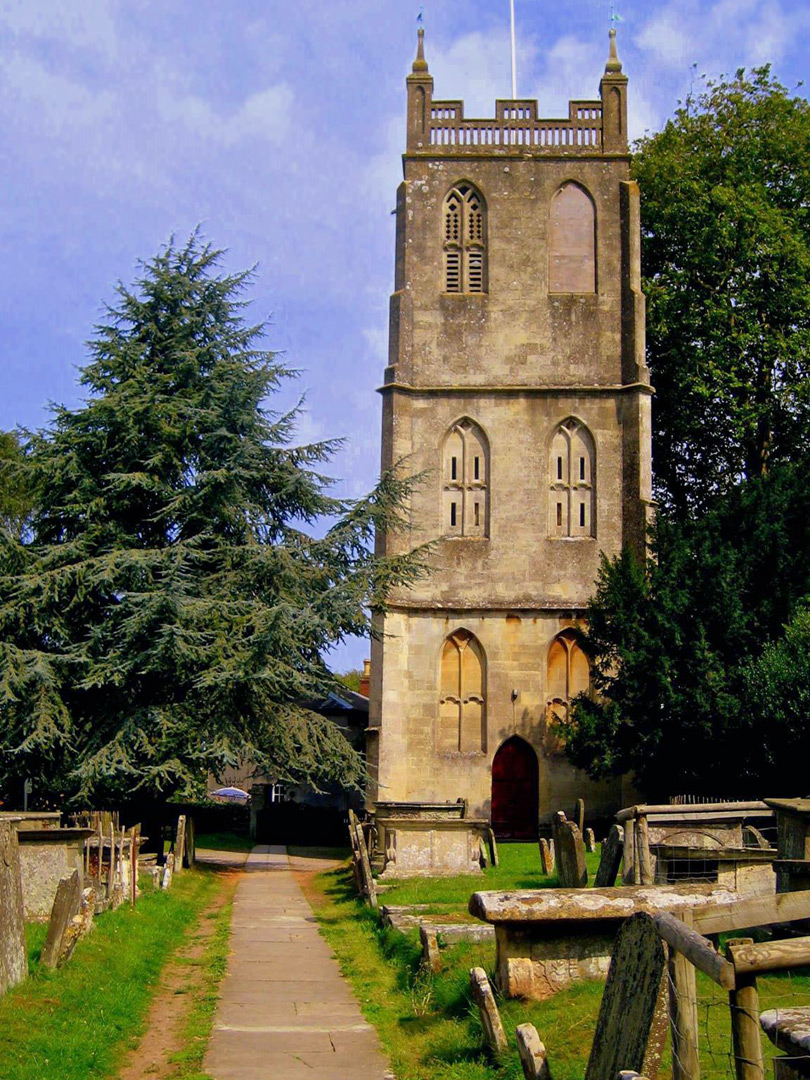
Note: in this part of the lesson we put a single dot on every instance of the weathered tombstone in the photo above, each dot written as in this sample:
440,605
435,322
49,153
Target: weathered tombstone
533,1056
629,1001
13,954
155,872
493,848
546,858
79,925
611,859
484,858
571,870
180,843
66,904
590,840
168,872
431,957
490,1017
579,815
191,842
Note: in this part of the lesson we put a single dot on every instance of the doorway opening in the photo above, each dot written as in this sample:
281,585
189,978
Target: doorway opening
515,773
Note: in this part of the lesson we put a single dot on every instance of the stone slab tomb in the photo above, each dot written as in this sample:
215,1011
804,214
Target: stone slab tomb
417,847
547,939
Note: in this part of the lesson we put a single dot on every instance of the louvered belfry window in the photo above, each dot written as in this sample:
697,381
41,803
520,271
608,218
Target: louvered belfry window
465,241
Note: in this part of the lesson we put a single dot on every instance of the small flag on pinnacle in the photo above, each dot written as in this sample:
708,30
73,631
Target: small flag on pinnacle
420,18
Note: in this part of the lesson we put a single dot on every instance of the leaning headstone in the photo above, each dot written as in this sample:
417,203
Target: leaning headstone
79,925
490,1017
572,872
493,848
629,1000
431,957
579,815
611,859
483,853
590,840
546,857
533,1056
180,844
66,904
13,954
168,873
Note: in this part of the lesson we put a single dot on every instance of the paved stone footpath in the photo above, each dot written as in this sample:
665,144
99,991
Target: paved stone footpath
285,1011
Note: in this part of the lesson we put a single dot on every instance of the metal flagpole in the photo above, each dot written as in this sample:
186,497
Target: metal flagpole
514,67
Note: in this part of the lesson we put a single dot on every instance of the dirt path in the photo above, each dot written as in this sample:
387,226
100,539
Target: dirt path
175,996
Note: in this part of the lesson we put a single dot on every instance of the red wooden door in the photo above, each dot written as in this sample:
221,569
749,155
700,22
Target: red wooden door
514,791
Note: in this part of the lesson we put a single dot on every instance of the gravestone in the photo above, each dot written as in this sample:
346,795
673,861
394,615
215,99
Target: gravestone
431,957
490,1017
579,815
546,857
590,840
532,1052
571,869
630,1000
168,873
66,904
79,925
13,954
611,859
180,844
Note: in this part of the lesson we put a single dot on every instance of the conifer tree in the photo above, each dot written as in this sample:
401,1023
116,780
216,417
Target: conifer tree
170,609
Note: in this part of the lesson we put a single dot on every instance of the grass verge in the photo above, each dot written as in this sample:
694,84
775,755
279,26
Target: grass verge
77,1022
223,841
427,1024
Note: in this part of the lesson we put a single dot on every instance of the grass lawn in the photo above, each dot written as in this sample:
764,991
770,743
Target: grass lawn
223,841
76,1023
426,1022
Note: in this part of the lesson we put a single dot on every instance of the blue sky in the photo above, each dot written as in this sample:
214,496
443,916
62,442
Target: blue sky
279,127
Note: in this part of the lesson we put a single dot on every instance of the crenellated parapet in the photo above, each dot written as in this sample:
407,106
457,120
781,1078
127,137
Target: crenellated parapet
592,127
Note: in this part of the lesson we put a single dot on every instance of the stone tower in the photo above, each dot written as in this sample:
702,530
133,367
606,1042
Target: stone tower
517,384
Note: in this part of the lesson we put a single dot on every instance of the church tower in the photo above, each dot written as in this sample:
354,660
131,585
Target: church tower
517,385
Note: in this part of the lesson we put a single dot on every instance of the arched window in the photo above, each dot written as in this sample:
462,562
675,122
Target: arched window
461,701
465,468
465,241
572,487
572,241
569,674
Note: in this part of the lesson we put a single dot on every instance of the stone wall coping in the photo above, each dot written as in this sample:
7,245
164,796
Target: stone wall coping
52,836
789,1029
425,824
799,807
551,905
31,815
725,854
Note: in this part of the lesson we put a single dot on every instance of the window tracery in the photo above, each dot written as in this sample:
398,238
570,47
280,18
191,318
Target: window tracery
461,703
465,469
572,481
465,241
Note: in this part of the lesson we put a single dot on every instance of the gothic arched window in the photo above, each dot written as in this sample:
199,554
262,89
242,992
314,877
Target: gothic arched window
572,487
568,674
465,241
572,241
465,469
461,701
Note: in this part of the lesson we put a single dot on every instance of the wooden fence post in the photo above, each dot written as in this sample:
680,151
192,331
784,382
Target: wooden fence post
743,1001
683,1014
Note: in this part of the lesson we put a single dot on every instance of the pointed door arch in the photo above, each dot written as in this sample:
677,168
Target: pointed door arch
515,790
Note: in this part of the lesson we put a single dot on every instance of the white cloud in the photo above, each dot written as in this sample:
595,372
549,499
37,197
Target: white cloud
265,115
88,24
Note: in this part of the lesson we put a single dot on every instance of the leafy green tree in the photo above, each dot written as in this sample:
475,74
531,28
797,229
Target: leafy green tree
173,603
726,263
351,679
17,498
776,696
671,644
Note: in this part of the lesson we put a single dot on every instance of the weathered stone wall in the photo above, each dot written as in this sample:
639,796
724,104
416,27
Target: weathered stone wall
410,764
517,360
